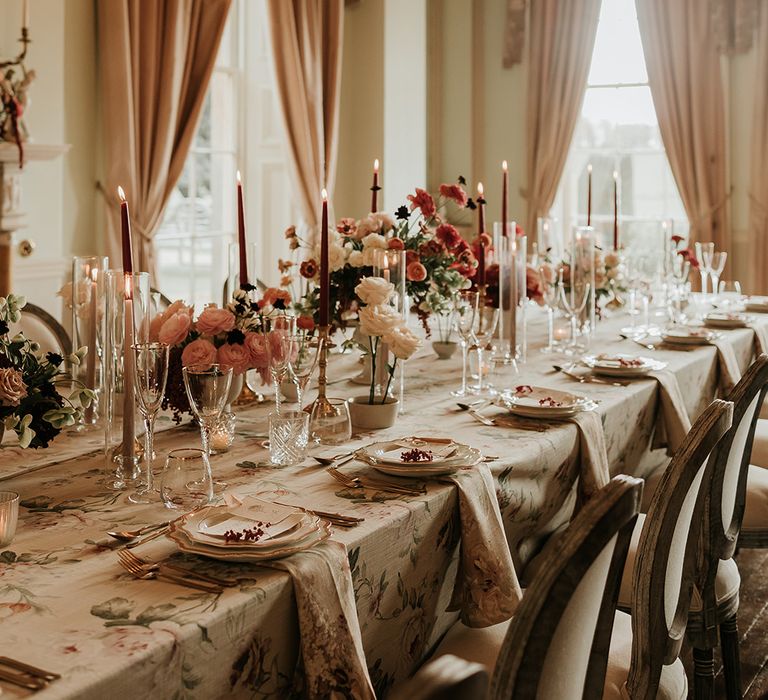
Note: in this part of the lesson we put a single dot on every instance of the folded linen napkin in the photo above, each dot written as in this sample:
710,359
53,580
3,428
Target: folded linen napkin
761,337
672,421
331,642
486,590
729,366
593,458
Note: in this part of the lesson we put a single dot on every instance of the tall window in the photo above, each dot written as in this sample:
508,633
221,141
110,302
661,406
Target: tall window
618,131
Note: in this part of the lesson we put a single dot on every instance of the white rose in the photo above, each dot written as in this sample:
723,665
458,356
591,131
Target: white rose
381,221
356,258
337,257
402,342
374,290
378,320
374,240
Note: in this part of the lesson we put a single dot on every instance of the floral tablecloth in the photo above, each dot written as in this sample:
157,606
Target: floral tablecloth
66,605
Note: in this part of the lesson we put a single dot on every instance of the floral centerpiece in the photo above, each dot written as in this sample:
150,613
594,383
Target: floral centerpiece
235,336
439,261
30,404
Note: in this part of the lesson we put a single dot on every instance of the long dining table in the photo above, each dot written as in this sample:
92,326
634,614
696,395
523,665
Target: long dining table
67,606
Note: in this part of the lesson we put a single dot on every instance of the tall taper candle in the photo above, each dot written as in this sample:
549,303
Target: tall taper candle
90,359
375,189
615,210
125,221
241,245
589,194
480,232
129,400
325,277
504,198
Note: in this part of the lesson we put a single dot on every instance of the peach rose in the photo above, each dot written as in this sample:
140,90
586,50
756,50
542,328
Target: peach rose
416,272
256,345
175,328
214,320
12,387
154,327
236,356
199,352
305,323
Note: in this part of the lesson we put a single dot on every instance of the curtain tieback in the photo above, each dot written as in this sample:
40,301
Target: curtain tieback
707,215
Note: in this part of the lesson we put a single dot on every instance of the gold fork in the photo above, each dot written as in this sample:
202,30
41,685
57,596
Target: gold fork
355,482
163,567
140,573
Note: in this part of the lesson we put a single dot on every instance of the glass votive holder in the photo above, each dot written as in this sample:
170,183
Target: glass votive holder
223,433
330,422
288,437
186,481
9,516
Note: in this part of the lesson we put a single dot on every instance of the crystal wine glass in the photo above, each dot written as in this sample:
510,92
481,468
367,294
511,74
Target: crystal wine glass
678,288
548,284
282,338
465,313
302,366
704,252
716,267
572,303
151,374
487,319
207,388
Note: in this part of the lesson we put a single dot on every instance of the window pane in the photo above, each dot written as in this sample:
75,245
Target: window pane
618,55
203,134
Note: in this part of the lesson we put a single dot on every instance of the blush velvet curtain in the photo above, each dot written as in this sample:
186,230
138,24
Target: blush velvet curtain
156,59
684,74
306,40
561,40
758,192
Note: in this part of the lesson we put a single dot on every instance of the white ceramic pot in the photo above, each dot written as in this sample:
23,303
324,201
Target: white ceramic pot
444,350
373,416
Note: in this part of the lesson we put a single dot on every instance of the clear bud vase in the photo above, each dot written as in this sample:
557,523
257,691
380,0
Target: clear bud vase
88,308
582,282
127,322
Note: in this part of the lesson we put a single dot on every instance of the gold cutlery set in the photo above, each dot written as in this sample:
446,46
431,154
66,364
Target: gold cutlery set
24,675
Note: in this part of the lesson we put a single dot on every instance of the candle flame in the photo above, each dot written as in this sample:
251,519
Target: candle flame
615,175
504,165
376,165
480,189
128,290
664,225
95,274
239,180
121,193
324,194
386,261
589,168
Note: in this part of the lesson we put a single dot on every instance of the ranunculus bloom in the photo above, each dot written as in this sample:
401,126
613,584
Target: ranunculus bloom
273,294
402,342
423,200
411,256
485,240
688,255
448,236
374,290
308,269
378,320
256,345
236,356
305,323
347,227
416,272
395,244
454,192
198,352
533,287
611,259
12,387
290,232
175,328
214,320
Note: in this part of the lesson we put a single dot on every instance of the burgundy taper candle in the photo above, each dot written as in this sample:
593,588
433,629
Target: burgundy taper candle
241,245
480,232
375,188
615,210
325,278
589,194
125,221
504,197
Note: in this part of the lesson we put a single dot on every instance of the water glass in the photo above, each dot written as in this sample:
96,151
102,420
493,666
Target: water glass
288,437
487,320
186,481
465,316
303,363
151,374
330,423
716,267
573,303
282,337
9,516
704,253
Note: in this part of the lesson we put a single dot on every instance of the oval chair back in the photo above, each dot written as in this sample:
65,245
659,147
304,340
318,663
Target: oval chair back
557,643
667,565
42,328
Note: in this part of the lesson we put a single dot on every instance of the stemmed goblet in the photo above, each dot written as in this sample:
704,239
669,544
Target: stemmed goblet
282,337
302,365
572,303
207,387
151,374
486,321
465,316
704,253
548,284
716,267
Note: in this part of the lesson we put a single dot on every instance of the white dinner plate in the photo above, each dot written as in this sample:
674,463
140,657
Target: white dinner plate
722,319
619,365
540,402
392,451
759,304
688,336
465,457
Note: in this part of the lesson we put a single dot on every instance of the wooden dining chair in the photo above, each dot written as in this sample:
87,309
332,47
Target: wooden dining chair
42,328
556,645
663,564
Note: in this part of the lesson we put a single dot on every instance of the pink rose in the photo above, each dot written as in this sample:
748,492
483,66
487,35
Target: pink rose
154,327
256,345
416,272
12,387
199,352
533,286
214,320
236,356
175,328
